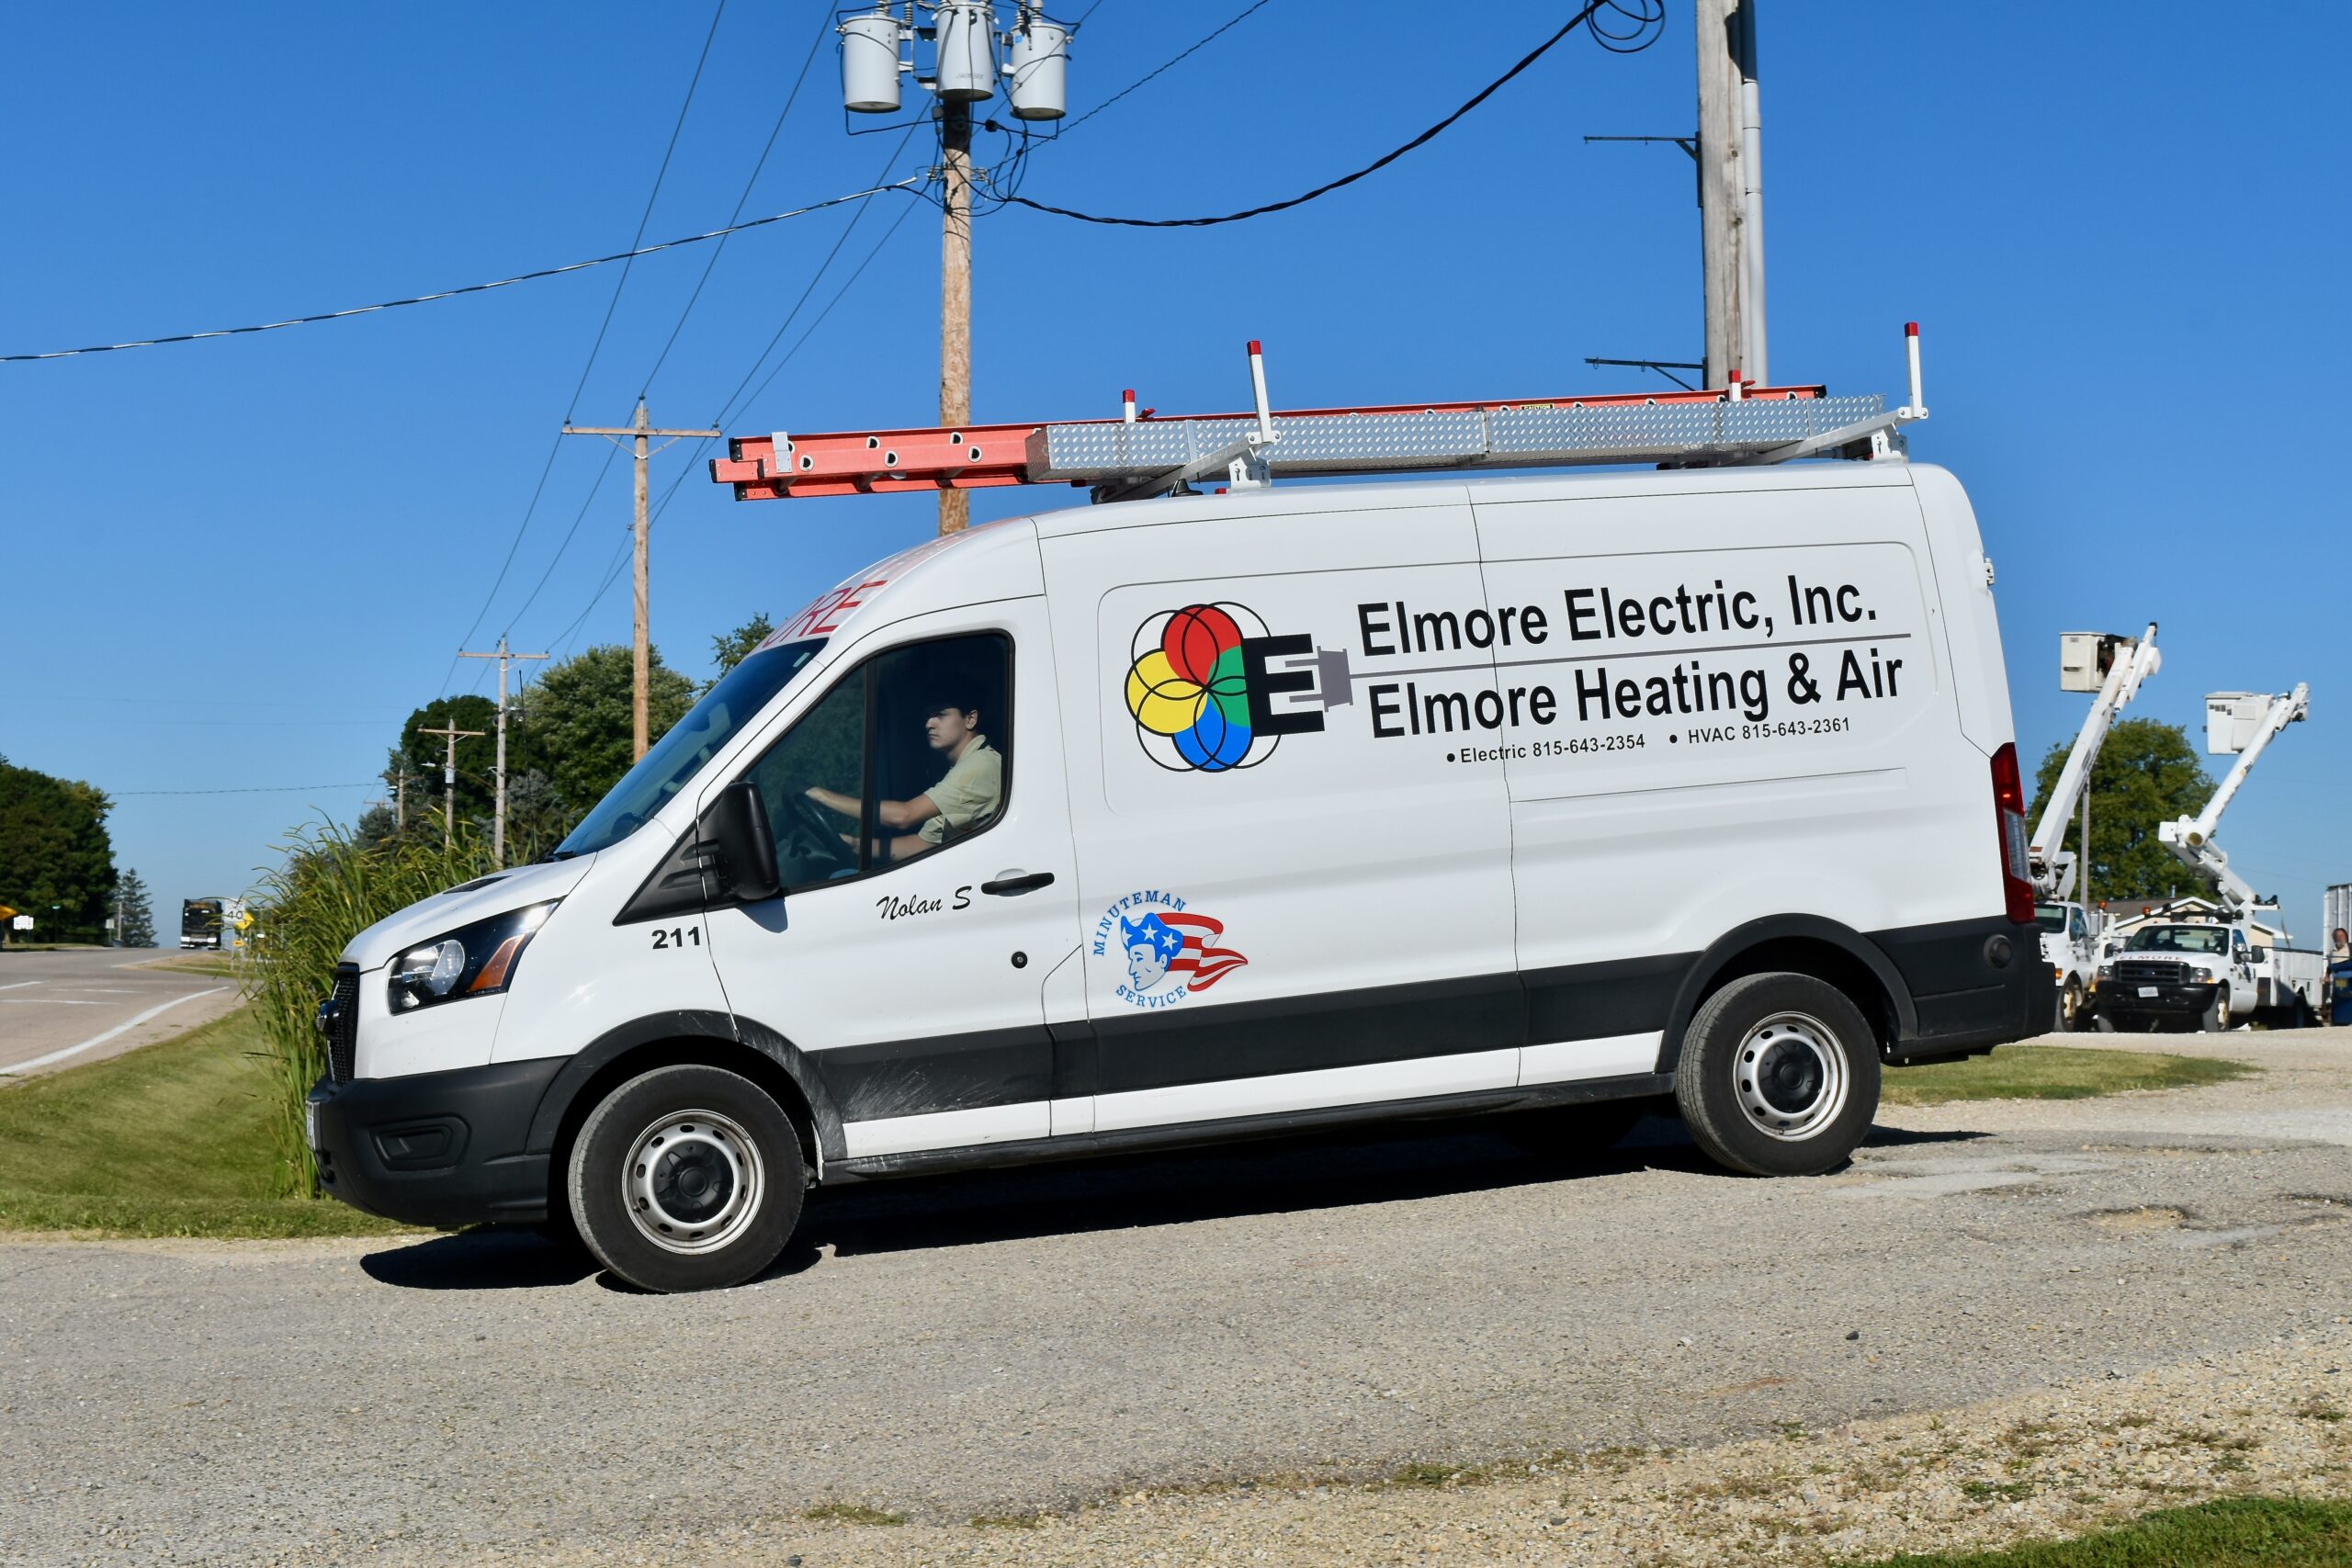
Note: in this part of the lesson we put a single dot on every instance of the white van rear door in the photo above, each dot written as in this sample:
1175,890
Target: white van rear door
1293,866
1749,716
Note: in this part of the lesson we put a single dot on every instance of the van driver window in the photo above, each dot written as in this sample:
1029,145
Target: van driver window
916,758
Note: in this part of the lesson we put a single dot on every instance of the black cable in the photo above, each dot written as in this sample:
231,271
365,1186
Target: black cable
690,467
824,26
647,217
1648,19
555,445
724,414
1089,114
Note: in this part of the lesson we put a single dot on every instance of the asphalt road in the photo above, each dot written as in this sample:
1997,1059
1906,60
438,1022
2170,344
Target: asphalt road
1038,1338
60,1010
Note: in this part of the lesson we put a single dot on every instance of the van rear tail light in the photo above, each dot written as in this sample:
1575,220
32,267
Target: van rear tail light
2008,821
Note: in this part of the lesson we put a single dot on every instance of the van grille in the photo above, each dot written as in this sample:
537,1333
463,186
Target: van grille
343,1034
2152,972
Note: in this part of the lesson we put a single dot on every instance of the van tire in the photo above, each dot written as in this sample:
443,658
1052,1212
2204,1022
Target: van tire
1823,1090
733,1168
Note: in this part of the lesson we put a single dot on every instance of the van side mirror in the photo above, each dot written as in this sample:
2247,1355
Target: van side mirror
739,828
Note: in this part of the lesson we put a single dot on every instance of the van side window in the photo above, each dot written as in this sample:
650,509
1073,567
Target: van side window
910,752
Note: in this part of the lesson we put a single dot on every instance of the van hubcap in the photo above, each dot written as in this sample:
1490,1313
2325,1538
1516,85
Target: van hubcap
693,1182
1788,1076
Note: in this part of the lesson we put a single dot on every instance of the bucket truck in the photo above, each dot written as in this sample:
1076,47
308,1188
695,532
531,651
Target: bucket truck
2113,666
2221,969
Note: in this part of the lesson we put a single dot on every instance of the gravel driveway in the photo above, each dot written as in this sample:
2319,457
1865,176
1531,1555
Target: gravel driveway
1033,1341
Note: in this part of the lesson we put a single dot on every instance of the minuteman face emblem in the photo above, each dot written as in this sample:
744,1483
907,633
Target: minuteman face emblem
1165,949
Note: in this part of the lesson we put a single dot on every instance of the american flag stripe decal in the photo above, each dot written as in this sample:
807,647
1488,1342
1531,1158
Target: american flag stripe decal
1204,961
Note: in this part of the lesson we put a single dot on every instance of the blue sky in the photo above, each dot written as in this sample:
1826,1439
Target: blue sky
240,563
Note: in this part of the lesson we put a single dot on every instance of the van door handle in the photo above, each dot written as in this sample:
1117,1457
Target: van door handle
1019,882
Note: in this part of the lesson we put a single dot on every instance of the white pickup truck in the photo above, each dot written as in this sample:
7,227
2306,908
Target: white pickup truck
2070,947
2211,975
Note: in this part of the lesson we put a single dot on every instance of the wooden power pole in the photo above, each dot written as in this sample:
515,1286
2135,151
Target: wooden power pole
642,432
498,816
1731,192
449,778
956,294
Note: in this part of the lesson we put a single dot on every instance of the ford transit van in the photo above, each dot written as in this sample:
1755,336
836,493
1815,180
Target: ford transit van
1168,821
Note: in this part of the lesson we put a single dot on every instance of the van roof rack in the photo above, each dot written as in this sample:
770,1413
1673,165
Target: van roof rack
1143,453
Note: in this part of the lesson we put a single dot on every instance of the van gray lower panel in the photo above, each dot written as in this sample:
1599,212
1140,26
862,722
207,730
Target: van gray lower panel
1191,1134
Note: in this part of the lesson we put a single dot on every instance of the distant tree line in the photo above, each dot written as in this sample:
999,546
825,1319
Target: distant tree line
569,740
56,860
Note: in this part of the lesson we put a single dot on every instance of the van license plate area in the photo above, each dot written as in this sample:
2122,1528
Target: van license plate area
310,1122
2145,990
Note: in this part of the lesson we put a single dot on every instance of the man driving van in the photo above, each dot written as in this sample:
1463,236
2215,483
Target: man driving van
965,800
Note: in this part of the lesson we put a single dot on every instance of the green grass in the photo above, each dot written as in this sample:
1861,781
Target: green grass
2239,1533
172,1139
2052,1072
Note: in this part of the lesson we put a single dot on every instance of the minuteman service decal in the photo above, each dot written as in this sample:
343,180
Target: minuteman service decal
1169,952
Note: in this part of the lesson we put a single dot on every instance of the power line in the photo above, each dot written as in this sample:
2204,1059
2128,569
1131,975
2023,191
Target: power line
259,789
612,574
647,217
1649,19
469,289
824,26
1131,87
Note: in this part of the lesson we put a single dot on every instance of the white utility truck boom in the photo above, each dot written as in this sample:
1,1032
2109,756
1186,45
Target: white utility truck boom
2110,666
2244,722
2113,666
2219,969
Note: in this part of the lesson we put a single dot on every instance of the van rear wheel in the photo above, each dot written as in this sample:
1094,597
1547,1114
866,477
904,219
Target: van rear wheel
686,1179
1779,1076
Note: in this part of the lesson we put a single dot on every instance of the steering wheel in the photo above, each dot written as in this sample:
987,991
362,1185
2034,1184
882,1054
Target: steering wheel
810,834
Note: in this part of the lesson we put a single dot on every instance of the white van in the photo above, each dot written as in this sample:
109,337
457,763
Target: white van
1168,821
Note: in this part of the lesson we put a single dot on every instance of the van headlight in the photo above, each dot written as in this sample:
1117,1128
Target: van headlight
474,961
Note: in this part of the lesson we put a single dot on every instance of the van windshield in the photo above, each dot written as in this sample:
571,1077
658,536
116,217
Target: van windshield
678,756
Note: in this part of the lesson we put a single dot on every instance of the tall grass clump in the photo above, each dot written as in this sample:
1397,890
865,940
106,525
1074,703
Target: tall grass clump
328,890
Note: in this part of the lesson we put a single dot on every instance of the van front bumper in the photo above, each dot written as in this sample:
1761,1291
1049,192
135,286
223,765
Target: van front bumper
444,1149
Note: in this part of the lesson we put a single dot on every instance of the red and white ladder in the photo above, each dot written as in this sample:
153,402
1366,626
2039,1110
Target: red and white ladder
1145,455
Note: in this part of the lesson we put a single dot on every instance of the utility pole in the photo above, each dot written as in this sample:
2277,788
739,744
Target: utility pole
970,51
504,658
449,778
642,432
955,292
1731,191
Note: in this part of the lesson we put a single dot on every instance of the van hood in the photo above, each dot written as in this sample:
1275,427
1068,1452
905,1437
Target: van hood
462,905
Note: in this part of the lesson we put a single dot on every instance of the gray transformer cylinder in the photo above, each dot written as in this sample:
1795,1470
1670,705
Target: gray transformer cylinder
870,64
967,55
1040,76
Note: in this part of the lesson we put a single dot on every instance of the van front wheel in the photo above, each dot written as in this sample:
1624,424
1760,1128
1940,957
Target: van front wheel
686,1179
1779,1076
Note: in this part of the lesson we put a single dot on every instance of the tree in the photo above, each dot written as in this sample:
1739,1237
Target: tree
425,755
377,826
56,861
578,714
730,648
136,927
2146,773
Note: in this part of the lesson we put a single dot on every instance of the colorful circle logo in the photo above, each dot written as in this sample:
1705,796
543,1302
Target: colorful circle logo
1188,691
